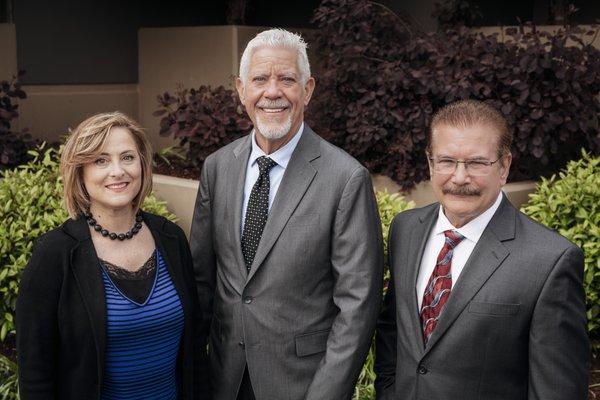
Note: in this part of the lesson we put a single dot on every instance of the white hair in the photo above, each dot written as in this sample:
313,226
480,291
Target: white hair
276,39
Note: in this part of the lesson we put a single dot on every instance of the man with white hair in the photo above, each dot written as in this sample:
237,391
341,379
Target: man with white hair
286,241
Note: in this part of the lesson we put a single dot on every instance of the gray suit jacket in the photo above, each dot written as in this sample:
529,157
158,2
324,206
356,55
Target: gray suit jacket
303,318
513,328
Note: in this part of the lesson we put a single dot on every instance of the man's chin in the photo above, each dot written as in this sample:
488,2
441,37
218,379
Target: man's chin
273,131
272,135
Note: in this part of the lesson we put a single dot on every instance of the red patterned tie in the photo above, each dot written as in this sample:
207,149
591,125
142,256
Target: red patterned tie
439,285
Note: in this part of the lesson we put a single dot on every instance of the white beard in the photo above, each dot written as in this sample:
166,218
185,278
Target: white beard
272,131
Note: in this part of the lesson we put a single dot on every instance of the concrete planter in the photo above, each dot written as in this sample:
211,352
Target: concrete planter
180,194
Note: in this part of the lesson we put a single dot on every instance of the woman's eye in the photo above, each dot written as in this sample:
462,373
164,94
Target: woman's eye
128,157
100,161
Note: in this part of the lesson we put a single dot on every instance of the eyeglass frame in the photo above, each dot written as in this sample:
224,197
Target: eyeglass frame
466,162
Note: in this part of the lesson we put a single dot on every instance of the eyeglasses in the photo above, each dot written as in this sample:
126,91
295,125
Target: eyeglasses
447,166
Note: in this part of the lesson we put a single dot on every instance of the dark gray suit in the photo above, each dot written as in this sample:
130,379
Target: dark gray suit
513,328
303,318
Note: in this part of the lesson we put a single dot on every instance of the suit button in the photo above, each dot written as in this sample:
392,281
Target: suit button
422,369
242,344
247,300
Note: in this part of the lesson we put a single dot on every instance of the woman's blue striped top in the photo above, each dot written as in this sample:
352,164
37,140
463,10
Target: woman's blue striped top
142,340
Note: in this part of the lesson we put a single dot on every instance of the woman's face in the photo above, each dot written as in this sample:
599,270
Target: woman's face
114,178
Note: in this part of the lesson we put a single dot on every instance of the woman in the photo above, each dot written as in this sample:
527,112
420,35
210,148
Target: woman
107,306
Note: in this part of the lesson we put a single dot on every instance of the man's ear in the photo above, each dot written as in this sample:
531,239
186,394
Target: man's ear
239,85
429,163
309,87
505,166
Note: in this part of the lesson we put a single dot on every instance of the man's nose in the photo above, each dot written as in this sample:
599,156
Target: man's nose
272,90
460,175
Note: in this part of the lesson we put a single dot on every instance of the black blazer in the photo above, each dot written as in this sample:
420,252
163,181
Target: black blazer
61,315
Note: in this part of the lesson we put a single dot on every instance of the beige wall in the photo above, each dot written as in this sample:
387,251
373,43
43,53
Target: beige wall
190,56
8,51
50,110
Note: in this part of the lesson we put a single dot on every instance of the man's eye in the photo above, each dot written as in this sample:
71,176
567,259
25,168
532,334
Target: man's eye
446,161
478,163
288,79
259,79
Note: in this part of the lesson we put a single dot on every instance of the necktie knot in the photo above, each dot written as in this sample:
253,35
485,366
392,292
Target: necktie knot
265,164
453,238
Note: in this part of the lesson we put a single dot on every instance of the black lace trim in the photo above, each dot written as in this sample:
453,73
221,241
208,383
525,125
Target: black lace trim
144,272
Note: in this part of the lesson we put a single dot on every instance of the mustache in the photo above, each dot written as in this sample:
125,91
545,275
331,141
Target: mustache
273,104
461,190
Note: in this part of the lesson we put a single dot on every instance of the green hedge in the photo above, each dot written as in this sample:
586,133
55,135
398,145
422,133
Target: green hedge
569,203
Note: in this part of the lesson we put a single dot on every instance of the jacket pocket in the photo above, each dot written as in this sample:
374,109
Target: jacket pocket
478,307
311,343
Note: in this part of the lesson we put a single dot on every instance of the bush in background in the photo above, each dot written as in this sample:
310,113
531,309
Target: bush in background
30,205
9,372
203,120
570,204
13,145
380,80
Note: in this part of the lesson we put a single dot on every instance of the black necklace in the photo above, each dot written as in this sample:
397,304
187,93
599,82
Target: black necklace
121,236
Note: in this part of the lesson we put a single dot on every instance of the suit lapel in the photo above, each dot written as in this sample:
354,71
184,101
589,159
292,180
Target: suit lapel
236,177
88,275
487,256
418,241
296,180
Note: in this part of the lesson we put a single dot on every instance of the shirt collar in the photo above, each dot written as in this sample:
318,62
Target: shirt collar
283,155
473,230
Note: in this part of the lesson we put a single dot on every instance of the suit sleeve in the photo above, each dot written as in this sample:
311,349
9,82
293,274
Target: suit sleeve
201,243
386,334
357,265
558,341
37,325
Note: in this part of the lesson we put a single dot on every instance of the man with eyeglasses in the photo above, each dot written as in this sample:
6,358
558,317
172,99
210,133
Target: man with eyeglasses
482,303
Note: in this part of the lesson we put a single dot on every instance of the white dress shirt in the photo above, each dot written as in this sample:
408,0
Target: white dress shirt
282,157
472,231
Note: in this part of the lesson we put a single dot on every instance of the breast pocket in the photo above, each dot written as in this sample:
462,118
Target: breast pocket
306,220
299,235
499,309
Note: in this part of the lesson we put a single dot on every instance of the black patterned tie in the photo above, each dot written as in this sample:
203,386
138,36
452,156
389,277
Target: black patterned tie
257,211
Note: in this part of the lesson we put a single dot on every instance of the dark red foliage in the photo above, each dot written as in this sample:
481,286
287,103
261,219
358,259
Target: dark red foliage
13,145
203,119
379,82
